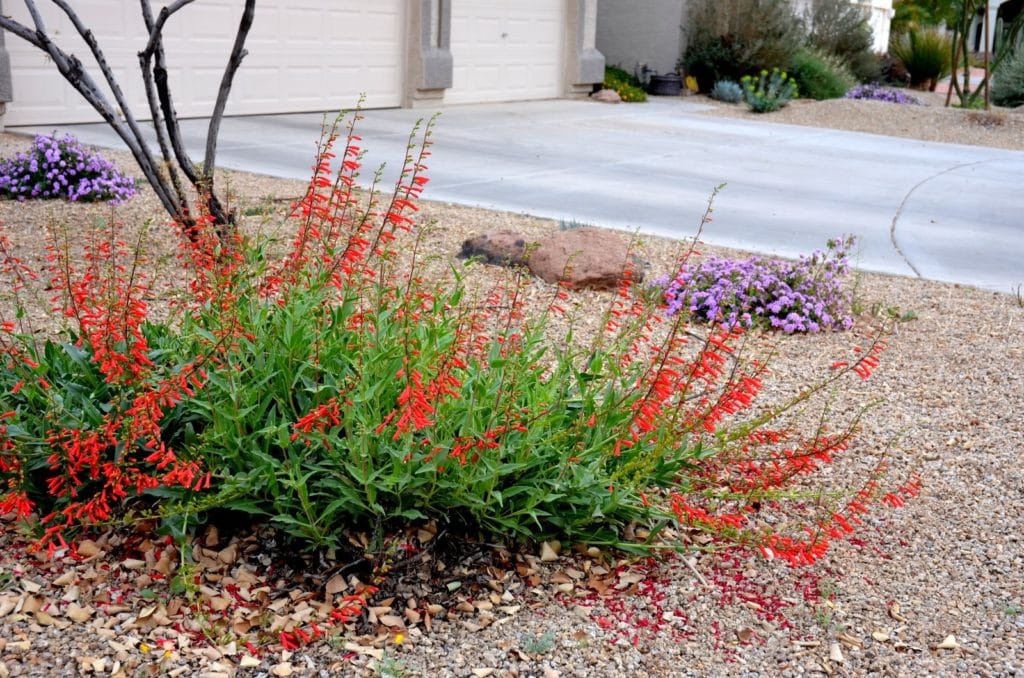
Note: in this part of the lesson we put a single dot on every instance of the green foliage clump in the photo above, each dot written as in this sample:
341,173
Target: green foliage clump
925,53
626,84
728,39
769,91
841,28
1008,82
821,75
727,91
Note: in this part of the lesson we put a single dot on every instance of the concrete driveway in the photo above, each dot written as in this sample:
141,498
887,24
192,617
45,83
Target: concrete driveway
939,211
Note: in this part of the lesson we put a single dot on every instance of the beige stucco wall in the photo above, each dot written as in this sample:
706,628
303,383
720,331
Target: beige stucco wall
633,32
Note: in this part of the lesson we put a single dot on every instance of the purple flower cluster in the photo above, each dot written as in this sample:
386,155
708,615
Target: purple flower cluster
802,296
875,92
63,168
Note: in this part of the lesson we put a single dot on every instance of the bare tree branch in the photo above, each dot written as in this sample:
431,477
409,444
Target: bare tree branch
23,32
154,107
238,53
156,29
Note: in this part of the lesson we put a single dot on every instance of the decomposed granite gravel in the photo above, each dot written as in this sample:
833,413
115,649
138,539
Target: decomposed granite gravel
933,588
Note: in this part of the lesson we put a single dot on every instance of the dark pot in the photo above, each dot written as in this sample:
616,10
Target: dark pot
668,85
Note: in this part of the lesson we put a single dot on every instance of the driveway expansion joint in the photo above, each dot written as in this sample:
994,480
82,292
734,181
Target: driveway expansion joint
903,204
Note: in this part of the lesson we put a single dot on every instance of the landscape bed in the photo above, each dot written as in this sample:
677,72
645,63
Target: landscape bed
887,601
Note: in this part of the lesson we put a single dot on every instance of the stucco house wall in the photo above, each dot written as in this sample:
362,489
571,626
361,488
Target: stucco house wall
632,34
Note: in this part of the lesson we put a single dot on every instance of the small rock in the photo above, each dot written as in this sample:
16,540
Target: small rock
282,670
248,662
607,96
835,653
548,552
505,248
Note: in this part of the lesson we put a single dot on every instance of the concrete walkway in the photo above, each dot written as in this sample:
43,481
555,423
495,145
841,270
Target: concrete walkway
939,211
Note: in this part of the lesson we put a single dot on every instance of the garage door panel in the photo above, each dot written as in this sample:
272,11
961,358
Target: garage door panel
260,86
506,50
303,55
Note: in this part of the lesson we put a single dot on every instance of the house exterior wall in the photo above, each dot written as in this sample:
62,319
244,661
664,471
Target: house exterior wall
584,64
880,18
632,34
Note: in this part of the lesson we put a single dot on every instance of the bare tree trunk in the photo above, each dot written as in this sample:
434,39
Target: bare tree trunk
166,184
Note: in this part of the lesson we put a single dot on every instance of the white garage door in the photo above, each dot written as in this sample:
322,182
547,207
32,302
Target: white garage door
304,55
506,50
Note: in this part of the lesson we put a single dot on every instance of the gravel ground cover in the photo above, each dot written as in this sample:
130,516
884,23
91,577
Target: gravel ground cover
932,121
933,588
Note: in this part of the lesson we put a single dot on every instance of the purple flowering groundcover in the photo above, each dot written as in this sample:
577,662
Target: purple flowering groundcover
62,168
793,296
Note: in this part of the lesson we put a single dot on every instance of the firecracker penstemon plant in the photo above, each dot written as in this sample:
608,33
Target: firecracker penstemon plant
339,385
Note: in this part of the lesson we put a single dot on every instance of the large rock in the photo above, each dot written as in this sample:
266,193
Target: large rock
505,248
585,258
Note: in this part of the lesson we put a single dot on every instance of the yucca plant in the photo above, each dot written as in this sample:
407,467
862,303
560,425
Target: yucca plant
925,54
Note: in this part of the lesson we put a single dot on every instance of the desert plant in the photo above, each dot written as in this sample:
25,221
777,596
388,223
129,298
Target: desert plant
803,296
841,28
820,75
1008,83
727,91
728,39
62,168
343,384
879,93
891,72
925,53
626,84
768,91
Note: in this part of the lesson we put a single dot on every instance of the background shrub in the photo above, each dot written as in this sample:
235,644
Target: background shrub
625,83
63,168
728,39
727,91
891,72
820,75
768,91
925,53
841,28
1008,82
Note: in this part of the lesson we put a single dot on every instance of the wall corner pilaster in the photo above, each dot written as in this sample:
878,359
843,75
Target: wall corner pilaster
429,65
